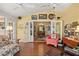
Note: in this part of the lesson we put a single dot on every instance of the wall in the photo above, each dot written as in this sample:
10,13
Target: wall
21,25
68,15
21,28
71,14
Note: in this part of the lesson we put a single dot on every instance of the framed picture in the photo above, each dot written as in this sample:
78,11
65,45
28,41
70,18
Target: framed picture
51,16
34,17
42,16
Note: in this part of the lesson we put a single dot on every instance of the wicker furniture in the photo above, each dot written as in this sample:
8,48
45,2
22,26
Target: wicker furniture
70,42
71,46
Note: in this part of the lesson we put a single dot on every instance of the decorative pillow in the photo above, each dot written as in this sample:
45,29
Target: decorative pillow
53,36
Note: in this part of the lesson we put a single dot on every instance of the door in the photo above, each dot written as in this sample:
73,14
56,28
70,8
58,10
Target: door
59,28
53,28
29,31
56,27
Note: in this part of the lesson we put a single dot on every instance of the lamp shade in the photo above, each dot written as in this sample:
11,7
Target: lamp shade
77,29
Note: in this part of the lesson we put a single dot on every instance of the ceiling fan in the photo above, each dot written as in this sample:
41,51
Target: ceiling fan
19,5
51,5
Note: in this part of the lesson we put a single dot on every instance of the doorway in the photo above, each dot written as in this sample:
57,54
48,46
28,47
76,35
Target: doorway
38,30
41,30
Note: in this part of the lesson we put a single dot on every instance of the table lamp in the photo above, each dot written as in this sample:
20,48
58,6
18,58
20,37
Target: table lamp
77,29
77,32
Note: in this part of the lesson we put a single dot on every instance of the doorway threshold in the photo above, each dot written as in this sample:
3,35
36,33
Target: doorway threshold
39,41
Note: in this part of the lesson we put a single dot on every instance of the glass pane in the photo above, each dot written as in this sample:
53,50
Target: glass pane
58,27
30,28
53,29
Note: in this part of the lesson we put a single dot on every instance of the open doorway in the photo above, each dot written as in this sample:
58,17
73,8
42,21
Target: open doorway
38,30
41,30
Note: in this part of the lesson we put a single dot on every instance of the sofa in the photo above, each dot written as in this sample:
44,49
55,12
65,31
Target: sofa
8,47
9,50
72,51
71,46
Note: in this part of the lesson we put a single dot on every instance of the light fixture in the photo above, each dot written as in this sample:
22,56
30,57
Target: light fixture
77,32
52,13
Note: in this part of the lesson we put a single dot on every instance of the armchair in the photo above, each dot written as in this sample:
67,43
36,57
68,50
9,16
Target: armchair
52,41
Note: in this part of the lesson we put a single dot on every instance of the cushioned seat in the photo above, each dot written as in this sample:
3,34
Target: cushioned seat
52,41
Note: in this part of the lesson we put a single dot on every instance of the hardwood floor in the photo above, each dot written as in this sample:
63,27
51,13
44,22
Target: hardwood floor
38,49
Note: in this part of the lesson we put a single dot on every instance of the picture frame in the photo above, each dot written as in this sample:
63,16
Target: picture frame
42,16
34,17
51,16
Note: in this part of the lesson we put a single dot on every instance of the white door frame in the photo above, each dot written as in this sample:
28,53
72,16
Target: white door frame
33,25
29,31
61,25
32,21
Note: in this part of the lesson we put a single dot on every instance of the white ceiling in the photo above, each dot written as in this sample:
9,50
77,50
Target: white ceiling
22,9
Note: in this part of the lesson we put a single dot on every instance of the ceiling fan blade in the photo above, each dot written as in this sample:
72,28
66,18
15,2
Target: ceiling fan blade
16,8
45,5
20,5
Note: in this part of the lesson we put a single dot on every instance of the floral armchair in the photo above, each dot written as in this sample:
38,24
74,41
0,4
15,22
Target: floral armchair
52,41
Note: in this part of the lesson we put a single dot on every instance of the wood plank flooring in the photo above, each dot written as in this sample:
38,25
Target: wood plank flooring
38,49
